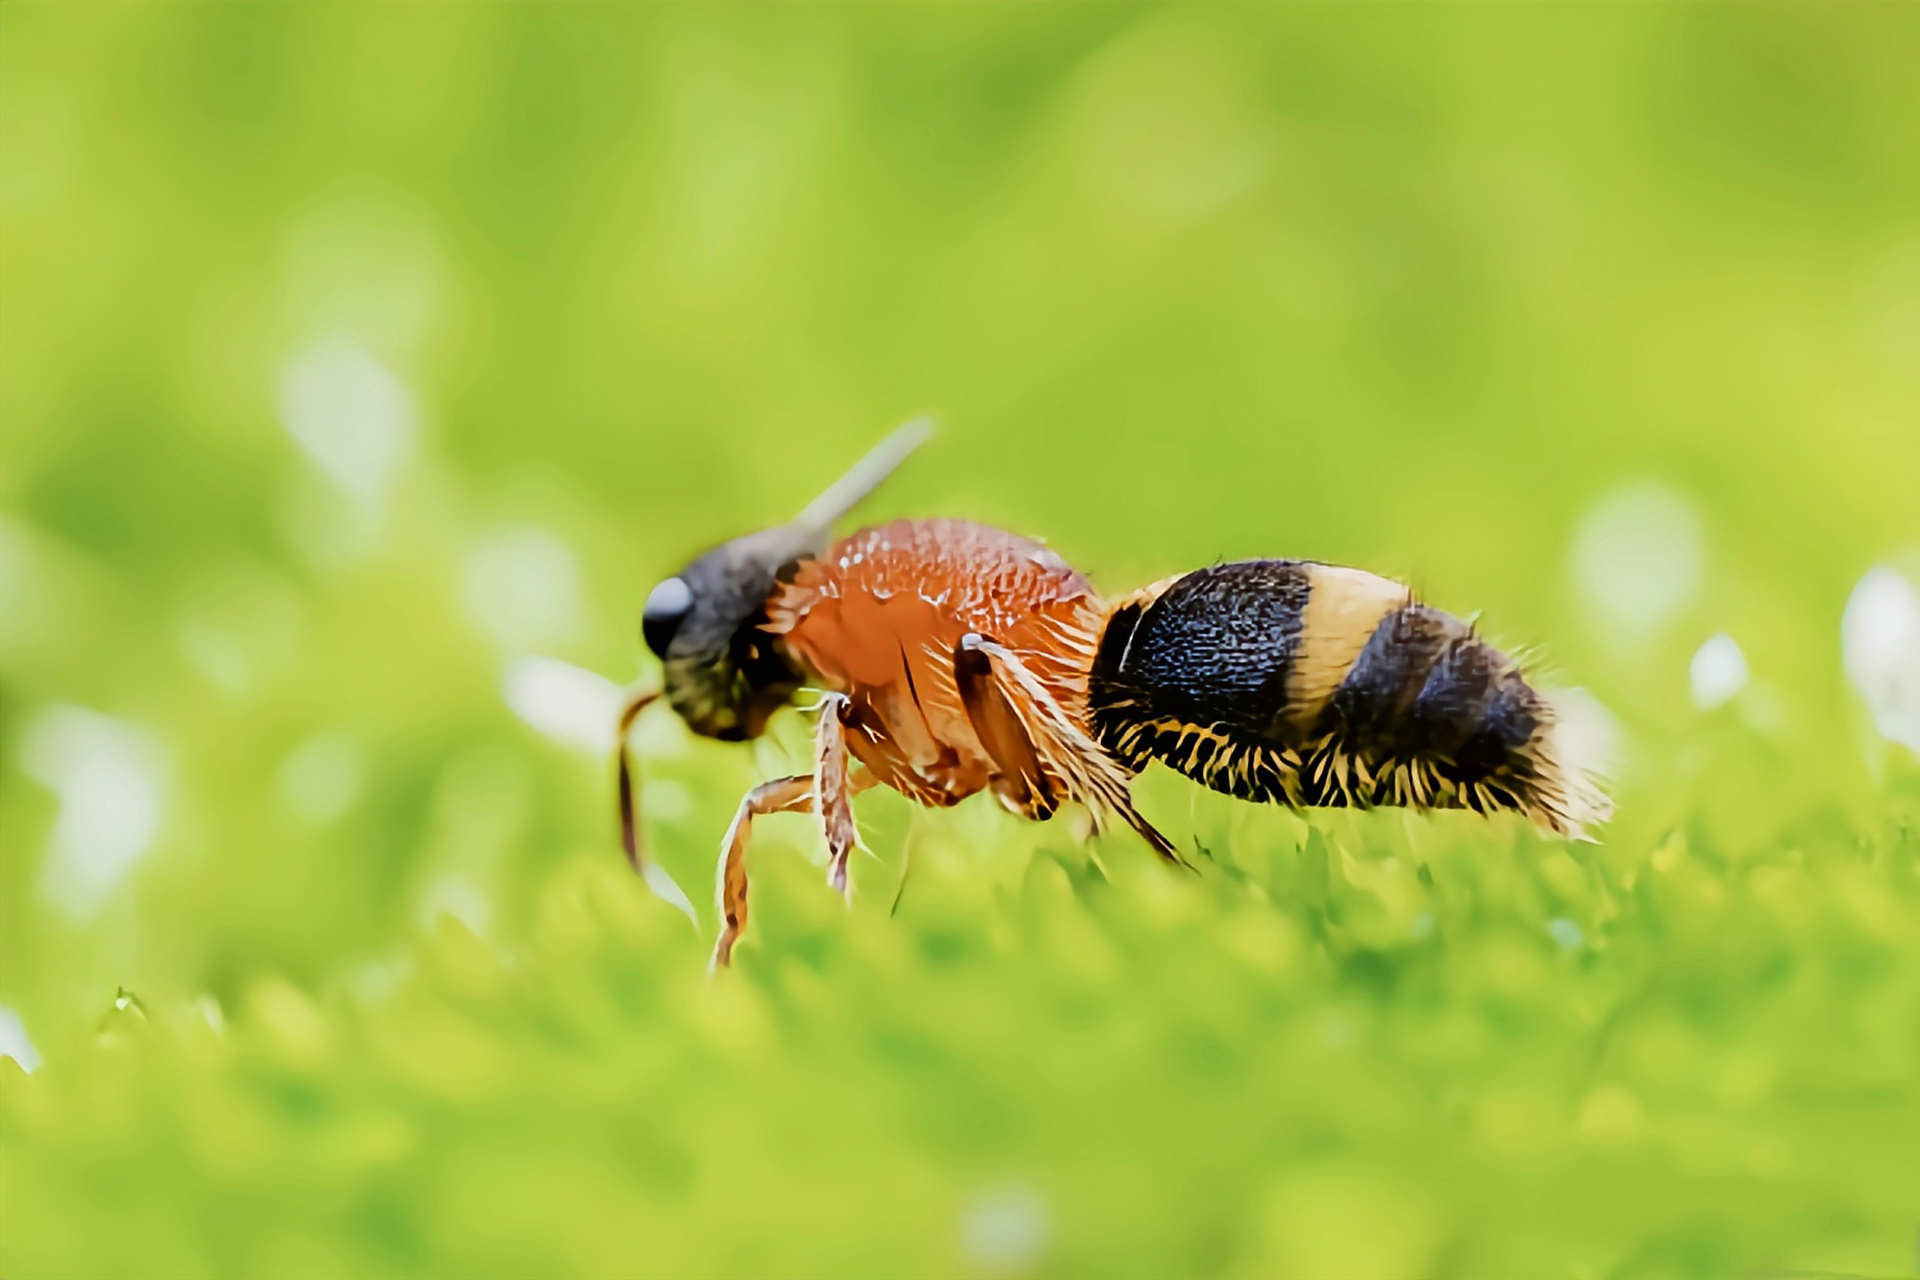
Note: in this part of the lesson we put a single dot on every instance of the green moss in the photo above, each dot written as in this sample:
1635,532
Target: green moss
1410,289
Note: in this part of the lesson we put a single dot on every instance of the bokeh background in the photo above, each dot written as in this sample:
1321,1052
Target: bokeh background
362,367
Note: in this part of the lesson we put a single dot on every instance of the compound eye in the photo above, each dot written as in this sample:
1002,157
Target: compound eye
667,607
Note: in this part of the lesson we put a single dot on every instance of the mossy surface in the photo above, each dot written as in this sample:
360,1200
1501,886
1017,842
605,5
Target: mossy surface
361,371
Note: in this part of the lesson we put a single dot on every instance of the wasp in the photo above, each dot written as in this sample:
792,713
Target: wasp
955,658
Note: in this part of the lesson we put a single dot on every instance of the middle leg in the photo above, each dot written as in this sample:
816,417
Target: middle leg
832,788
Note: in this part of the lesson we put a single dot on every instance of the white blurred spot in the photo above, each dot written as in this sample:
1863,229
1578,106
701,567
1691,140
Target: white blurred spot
1637,559
666,889
569,704
1587,734
460,898
15,1043
1565,933
322,778
354,418
522,587
1880,640
1005,1230
1718,671
210,1012
109,777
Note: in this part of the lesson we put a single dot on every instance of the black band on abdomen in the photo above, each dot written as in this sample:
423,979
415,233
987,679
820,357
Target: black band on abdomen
1285,680
1215,647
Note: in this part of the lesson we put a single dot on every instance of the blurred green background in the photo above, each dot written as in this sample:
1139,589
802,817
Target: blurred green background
361,368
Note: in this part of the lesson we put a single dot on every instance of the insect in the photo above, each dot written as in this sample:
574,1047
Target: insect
957,658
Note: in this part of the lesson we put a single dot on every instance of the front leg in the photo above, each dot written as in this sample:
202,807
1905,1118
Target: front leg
830,778
778,796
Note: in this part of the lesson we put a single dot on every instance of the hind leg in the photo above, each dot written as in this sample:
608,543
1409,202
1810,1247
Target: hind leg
1037,749
1019,776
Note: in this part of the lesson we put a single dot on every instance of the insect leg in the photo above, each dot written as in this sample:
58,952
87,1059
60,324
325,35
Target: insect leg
781,795
1008,704
831,789
1019,777
629,810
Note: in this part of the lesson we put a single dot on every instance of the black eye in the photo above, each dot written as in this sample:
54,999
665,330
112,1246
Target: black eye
667,607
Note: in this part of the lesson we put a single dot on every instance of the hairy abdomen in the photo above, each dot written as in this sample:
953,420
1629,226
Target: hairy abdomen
1310,684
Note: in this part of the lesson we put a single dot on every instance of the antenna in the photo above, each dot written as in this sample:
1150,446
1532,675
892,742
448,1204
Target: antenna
863,477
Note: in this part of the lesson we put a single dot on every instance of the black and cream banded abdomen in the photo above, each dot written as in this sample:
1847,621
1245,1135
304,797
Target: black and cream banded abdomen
1311,684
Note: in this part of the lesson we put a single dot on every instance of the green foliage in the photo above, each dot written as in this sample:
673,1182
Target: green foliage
1413,289
1366,1047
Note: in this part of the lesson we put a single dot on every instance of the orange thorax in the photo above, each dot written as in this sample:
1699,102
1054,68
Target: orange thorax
877,616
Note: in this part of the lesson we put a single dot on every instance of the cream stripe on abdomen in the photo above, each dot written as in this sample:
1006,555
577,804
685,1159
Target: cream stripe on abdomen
1344,608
